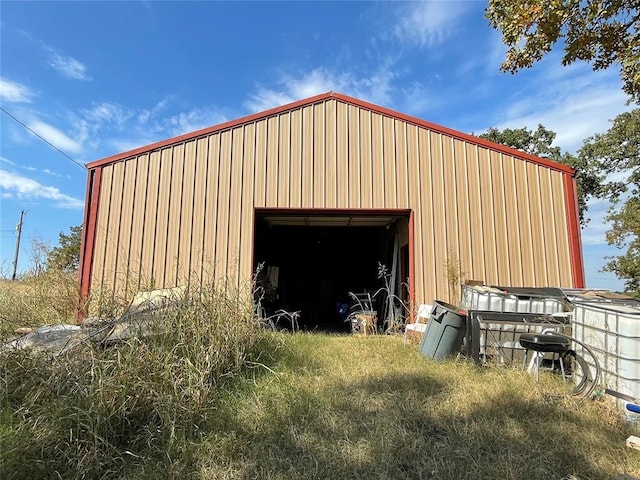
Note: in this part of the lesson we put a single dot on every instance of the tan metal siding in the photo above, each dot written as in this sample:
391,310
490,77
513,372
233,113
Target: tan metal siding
307,157
462,192
113,260
149,230
196,263
235,205
377,162
186,243
415,199
330,180
388,182
427,239
537,233
513,221
172,258
439,191
475,269
211,209
138,222
318,180
342,155
186,212
366,177
451,253
295,173
402,163
523,201
126,262
246,214
354,158
102,227
500,223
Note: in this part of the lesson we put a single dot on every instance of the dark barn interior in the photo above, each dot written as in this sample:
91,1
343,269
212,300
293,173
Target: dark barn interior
311,263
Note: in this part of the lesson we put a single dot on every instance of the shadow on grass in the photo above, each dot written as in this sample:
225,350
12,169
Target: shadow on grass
393,427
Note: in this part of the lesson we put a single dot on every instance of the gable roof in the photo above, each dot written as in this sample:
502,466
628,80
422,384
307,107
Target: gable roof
346,99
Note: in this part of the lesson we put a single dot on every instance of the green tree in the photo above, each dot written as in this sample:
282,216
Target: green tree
600,32
539,143
66,255
614,156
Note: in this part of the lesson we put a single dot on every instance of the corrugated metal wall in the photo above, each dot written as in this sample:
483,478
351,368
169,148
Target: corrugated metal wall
187,210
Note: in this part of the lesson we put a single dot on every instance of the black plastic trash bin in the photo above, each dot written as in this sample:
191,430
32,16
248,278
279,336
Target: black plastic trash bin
445,331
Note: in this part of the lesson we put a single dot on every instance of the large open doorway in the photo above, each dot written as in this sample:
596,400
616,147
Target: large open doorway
313,259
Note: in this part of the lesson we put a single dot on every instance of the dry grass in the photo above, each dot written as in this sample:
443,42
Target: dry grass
121,412
45,299
215,398
365,407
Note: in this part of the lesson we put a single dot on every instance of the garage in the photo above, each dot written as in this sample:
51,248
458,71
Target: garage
312,261
321,190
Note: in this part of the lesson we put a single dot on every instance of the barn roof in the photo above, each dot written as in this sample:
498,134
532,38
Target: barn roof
348,100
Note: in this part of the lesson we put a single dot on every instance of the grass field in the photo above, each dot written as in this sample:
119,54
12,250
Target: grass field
365,407
351,407
215,396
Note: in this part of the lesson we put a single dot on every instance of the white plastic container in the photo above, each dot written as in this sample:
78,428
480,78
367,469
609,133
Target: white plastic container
481,297
612,332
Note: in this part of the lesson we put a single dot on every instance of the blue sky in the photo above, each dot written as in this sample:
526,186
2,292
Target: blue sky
98,78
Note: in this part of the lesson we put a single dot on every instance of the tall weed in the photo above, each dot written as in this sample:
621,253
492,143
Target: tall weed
113,412
48,298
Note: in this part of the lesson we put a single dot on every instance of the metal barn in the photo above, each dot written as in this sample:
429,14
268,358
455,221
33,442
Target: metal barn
320,191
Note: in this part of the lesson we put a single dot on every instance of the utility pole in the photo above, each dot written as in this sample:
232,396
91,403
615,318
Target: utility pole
15,258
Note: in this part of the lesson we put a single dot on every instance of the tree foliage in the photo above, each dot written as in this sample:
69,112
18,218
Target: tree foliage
539,143
66,255
600,32
614,156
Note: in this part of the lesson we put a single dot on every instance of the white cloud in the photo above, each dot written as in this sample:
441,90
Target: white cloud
55,137
266,98
428,24
51,172
67,66
107,112
147,114
6,160
14,92
574,102
417,99
186,122
375,88
14,185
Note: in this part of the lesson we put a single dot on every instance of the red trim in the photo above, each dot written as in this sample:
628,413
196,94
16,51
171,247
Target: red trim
344,98
412,264
573,223
80,306
88,237
316,212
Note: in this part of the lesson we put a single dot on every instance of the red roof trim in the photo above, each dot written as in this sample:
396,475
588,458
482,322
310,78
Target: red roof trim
573,223
344,98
